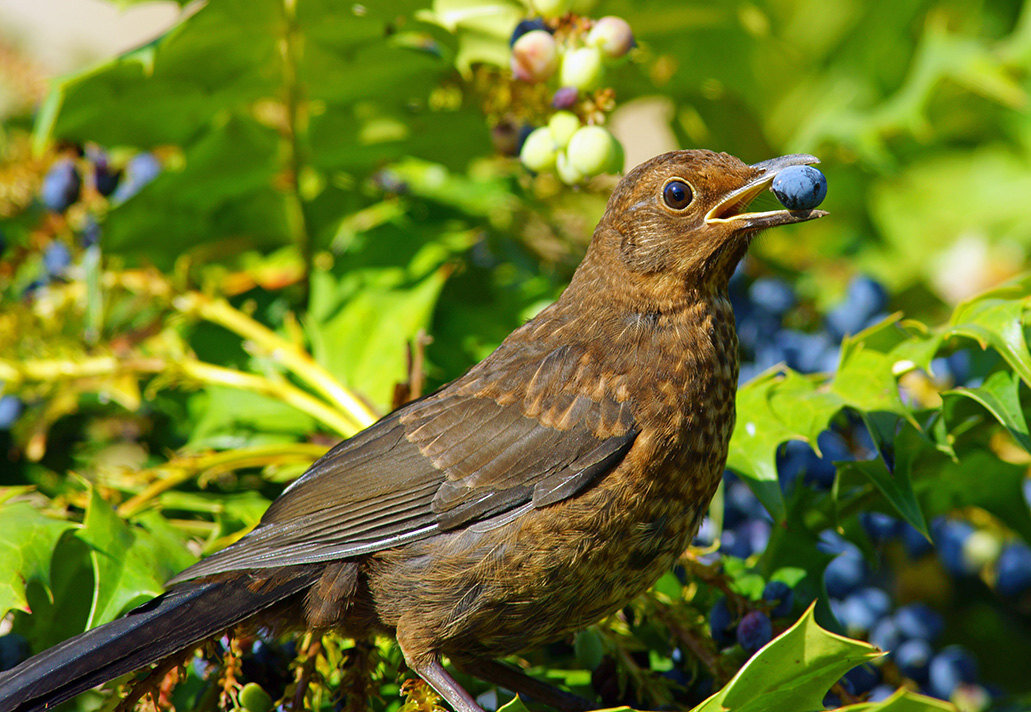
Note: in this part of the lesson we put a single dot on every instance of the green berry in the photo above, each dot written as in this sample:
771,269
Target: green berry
552,8
582,68
563,125
539,150
593,150
534,56
254,699
612,35
567,172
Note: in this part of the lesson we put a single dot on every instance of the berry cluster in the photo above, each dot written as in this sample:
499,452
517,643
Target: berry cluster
77,186
570,52
860,591
62,185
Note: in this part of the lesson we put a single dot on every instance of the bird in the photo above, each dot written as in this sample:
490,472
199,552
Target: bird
540,491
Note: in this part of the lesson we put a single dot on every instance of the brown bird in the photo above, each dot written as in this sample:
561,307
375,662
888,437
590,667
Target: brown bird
542,490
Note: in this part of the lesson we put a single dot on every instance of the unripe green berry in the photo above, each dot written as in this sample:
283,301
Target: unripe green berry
552,8
567,172
592,150
582,68
254,699
612,35
534,56
563,125
539,150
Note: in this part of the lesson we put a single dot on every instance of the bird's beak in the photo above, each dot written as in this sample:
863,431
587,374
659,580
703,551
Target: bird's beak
726,211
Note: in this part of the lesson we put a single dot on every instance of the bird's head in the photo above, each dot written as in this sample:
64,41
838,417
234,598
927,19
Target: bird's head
682,218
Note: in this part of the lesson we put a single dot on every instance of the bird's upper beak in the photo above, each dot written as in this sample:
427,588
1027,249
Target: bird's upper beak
727,209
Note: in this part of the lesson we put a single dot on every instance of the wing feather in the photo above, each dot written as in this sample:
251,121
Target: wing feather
479,451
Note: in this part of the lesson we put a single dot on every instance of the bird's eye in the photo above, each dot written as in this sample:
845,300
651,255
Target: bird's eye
677,194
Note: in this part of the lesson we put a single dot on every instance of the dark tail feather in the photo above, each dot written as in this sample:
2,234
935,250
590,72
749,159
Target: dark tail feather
173,622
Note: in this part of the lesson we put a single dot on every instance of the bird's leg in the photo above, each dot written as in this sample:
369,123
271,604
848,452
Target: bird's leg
522,684
439,679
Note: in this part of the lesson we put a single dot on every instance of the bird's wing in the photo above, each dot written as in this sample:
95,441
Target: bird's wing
481,450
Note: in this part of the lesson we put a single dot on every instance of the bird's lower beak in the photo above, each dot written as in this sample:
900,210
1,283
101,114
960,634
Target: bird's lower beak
728,210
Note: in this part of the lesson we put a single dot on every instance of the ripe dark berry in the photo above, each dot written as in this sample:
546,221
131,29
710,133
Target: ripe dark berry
886,636
863,678
949,668
105,179
880,527
917,620
56,258
10,409
754,631
772,295
721,624
913,658
1013,570
527,26
61,186
845,573
800,187
565,98
779,593
141,169
864,301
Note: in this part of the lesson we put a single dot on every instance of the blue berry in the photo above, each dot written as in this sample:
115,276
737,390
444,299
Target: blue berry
864,300
913,658
880,527
881,693
915,543
772,295
721,623
780,594
754,631
844,574
141,169
863,678
10,410
741,504
861,610
808,353
56,259
886,636
800,187
1013,570
105,179
755,534
950,536
61,186
525,26
917,620
949,668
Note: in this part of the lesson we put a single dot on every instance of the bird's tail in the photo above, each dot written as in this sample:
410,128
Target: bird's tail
171,623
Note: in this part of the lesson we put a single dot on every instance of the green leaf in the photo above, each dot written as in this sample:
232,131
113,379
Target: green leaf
866,379
482,27
226,417
1000,396
791,673
903,701
26,549
996,319
130,563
